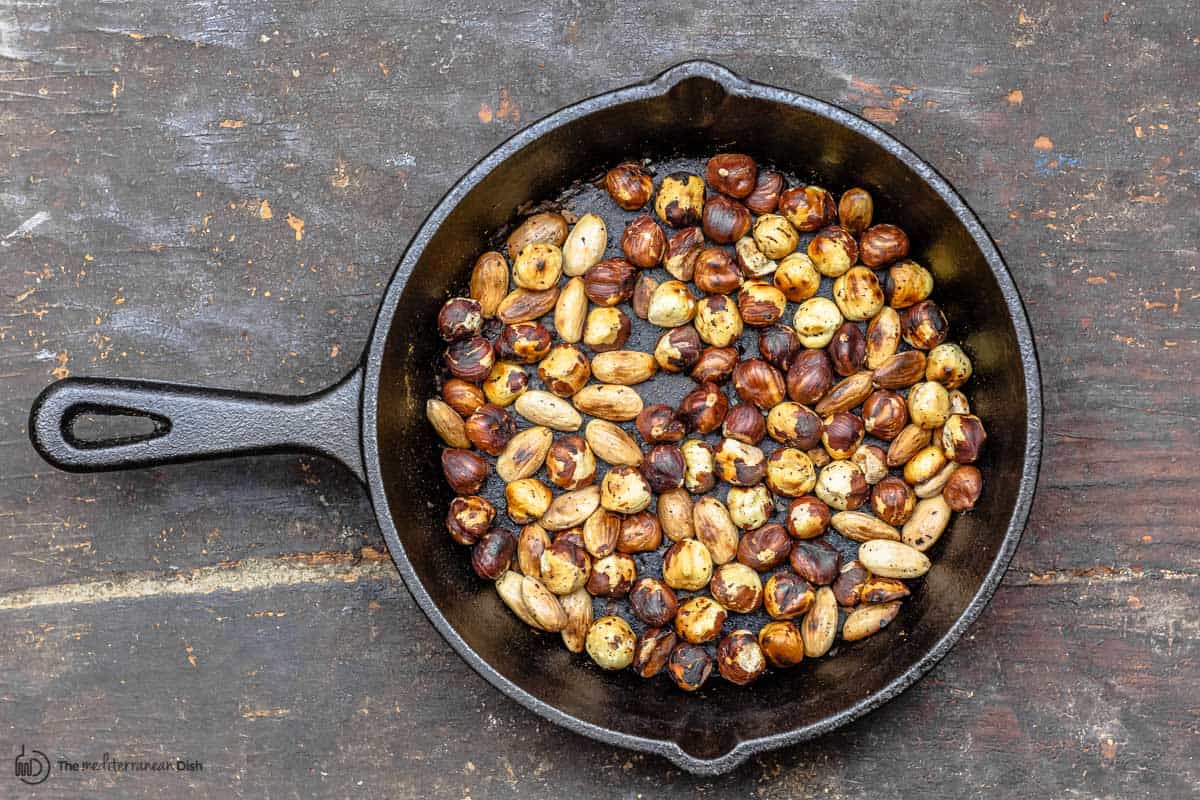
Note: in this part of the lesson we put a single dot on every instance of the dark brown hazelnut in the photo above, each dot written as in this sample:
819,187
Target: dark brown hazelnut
725,220
606,329
880,245
470,359
761,304
787,596
663,468
815,560
463,397
640,532
893,500
689,666
809,376
469,518
901,370
653,602
758,383
653,649
848,586
767,188
715,273
643,290
778,345
570,463
678,349
460,318
846,394
644,242
490,428
842,435
848,349
715,364
740,464
795,425
923,325
884,590
493,553
764,548
659,423
571,536
704,408
737,587
610,282
629,185
855,210
808,208
962,491
745,423
963,437
884,414
465,470
733,174
740,659
781,643
612,576
524,342
682,248
833,251
807,517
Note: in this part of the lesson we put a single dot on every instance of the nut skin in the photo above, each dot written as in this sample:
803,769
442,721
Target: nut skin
962,491
610,282
493,553
570,463
884,414
564,370
699,620
724,220
465,470
900,370
718,321
883,336
678,349
846,394
737,587
816,560
907,444
643,242
606,329
653,649
760,304
469,518
907,283
880,245
872,461
764,199
787,596
526,305
675,514
928,405
797,277
753,263
745,423
653,602
489,282
733,174
527,499
764,548
795,425
808,517
759,383
470,359
750,507
781,644
565,566
663,468
848,587
715,365
963,436
671,305
624,490
948,365
775,236
848,350
689,666
680,200
682,248
855,210
923,325
833,251
779,345
843,432
892,500
790,472
460,318
490,428
505,383
858,294
462,396
808,208
547,226
700,474
704,408
687,565
612,576
740,659
643,290
660,423
819,456
809,376
842,485
538,266
611,643
524,342
816,320
629,185
572,536
740,464
531,543
715,272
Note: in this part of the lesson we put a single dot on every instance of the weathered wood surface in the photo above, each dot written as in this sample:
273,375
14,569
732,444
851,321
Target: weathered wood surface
216,192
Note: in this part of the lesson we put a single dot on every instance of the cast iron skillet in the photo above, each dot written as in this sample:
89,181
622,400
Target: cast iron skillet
373,420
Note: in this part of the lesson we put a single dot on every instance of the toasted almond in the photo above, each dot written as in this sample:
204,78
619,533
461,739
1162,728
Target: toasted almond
608,401
571,508
548,226
938,482
543,607
611,444
867,620
714,529
578,605
927,523
524,305
879,589
544,408
675,514
524,454
448,424
508,586
623,367
845,395
489,282
883,337
819,628
893,559
862,527
601,531
910,441
570,311
532,542
901,370
585,245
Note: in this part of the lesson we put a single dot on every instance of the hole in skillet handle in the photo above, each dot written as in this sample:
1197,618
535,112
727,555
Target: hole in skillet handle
96,426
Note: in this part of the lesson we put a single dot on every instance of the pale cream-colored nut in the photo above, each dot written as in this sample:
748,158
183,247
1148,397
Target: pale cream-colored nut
700,619
750,507
867,620
927,524
447,423
543,408
934,485
565,567
538,266
531,543
612,444
699,466
565,370
858,294
816,321
578,606
775,236
862,527
527,499
872,461
545,609
508,586
687,565
928,404
675,514
752,261
797,278
525,305
893,559
907,444
505,383
585,245
819,629
948,365
737,587
624,367
524,454
624,490
959,403
601,532
547,226
570,311
883,336
790,472
927,463
608,401
606,328
671,305
680,200
841,485
715,529
571,509
610,643
718,320
489,282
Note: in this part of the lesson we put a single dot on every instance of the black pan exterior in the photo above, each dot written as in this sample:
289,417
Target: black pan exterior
693,109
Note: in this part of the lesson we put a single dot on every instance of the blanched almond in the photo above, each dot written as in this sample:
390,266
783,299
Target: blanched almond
867,620
570,311
448,424
623,367
938,482
927,523
893,559
862,527
611,444
571,508
608,401
585,245
543,408
524,454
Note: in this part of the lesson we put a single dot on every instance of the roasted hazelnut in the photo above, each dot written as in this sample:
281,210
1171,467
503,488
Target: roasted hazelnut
787,596
526,305
462,396
907,283
745,423
781,644
564,370
815,560
924,465
682,248
531,543
489,282
883,590
611,643
653,602
659,423
790,472
465,470
572,536
689,666
884,414
872,460
643,290
809,376
653,649
663,468
524,342
699,474
715,273
758,383
845,394
959,403
600,533
848,349
612,576
883,337
842,485
819,456
643,242
715,529
901,370
740,659
751,261
962,438
948,365
816,320
678,349
718,321
505,383
928,404
624,490
459,318
704,408
737,587
680,199
962,491
610,282
808,208
715,364
794,425
493,553
751,507
547,226
629,185
527,499
797,277
857,294
671,305
764,199
847,588
733,174
855,210
775,236
833,251
882,244
778,345
570,463
807,517
699,620
892,500
606,329
764,548
687,565
739,463
724,220
470,359
565,566
490,428
538,266
675,514
760,304
469,518
923,325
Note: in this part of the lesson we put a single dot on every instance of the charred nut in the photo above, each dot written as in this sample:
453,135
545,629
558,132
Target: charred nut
925,464
846,394
760,304
543,408
663,467
612,576
538,266
570,311
704,408
624,367
858,294
624,490
718,321
869,619
606,329
872,461
489,282
643,290
779,345
910,442
764,199
848,349
571,509
862,527
739,463
927,524
855,210
460,318
527,500
678,349
653,649
462,396
815,560
833,251
505,383
700,466
531,543
584,246
609,282
819,628
808,208
469,518
884,414
643,242
892,500
493,553
781,644
724,221
737,587
687,565
787,596
611,444
745,423
682,248
680,199
715,529
775,236
610,643
740,659
526,305
907,283
564,370
447,423
759,383
807,517
900,370
892,559
794,425
884,590
629,185
883,337
882,244
962,491
733,174
653,602
948,365
923,325
470,359
689,666
715,272
490,428
928,405
578,606
675,514
660,423
671,305
849,584
797,277
750,507
524,454
809,376
715,364
549,227
465,470
841,435
963,437
565,567
842,485
608,401
790,472
699,620
764,548
816,321
601,532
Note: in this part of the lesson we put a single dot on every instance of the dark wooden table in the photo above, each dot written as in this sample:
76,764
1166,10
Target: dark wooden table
217,192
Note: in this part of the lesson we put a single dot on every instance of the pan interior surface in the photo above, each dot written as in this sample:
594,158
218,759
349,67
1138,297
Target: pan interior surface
695,118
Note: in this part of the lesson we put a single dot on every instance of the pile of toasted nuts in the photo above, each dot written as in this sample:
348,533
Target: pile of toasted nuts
852,416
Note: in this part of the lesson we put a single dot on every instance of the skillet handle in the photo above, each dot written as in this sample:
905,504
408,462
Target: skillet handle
193,423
